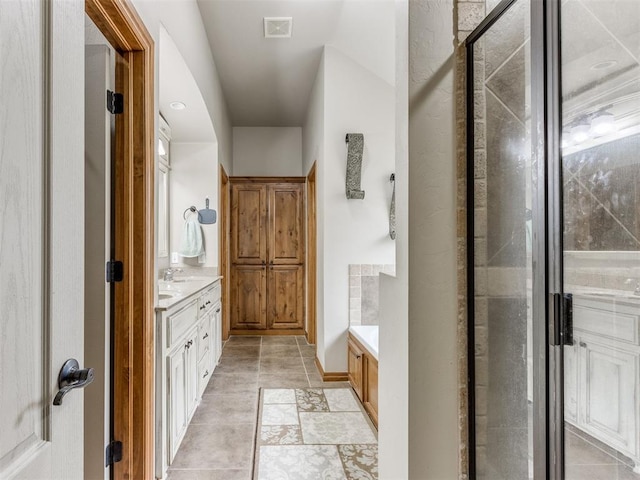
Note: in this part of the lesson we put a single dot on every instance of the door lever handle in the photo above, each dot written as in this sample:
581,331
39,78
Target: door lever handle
70,377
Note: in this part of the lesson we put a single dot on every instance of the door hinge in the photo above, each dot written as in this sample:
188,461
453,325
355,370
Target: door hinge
561,319
115,271
113,453
115,102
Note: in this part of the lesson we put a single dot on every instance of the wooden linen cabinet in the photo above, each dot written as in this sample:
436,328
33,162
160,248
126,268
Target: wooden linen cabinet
267,255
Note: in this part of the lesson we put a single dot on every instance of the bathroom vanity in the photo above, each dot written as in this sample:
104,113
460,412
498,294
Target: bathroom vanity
362,358
602,370
188,348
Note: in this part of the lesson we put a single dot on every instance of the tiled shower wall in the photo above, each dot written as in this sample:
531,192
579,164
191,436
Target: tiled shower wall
364,286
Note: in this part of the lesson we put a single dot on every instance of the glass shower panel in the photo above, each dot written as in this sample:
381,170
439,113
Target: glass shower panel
502,201
601,195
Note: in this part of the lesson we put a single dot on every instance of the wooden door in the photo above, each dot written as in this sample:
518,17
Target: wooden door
42,236
248,256
248,224
285,283
248,297
285,306
267,252
286,232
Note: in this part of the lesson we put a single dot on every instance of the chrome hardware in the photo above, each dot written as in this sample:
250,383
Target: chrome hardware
71,377
169,272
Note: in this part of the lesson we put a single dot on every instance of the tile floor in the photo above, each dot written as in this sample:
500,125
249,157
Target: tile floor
218,444
589,459
313,434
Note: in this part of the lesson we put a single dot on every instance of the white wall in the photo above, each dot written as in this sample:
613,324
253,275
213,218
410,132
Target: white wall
267,151
194,176
393,314
349,231
183,22
433,306
313,152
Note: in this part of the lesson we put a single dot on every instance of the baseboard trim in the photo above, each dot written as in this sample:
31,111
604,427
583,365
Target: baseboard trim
297,331
331,376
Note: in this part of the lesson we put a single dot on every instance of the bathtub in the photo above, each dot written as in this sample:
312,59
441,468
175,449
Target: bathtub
367,335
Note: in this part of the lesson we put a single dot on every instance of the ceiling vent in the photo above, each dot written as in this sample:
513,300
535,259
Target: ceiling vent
278,27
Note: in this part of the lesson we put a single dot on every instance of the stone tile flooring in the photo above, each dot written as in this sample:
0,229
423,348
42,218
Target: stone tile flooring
589,459
313,434
219,442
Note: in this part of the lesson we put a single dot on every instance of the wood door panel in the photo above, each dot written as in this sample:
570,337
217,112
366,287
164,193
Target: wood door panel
248,224
286,297
286,233
248,298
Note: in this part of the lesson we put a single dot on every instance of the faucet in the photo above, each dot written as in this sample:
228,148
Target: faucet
168,274
631,281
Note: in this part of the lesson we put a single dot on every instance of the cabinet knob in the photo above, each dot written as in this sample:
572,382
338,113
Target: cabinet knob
583,345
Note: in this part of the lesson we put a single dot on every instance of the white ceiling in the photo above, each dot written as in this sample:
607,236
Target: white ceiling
267,82
176,84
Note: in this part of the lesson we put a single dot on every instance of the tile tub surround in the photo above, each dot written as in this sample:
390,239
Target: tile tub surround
363,292
332,437
219,441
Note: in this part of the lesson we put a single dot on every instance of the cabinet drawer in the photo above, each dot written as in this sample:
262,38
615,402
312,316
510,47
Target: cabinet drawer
180,322
208,299
204,337
204,373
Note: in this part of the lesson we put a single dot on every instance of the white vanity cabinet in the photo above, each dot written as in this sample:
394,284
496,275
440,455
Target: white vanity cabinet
189,343
183,389
602,373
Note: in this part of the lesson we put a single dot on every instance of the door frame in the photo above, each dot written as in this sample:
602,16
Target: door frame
312,256
133,368
547,231
224,232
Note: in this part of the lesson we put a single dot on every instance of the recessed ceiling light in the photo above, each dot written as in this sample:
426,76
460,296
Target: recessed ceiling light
604,65
177,105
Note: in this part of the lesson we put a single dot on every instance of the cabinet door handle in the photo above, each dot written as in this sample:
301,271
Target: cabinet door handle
188,344
205,336
203,307
208,302
218,310
358,357
583,345
205,374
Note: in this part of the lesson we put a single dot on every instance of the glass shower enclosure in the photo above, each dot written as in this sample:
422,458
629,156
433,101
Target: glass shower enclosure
553,146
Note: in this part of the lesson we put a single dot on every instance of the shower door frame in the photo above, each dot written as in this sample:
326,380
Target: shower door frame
547,252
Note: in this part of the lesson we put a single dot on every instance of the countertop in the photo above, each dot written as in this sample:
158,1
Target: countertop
181,289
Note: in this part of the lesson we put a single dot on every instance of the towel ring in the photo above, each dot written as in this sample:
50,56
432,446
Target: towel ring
190,209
